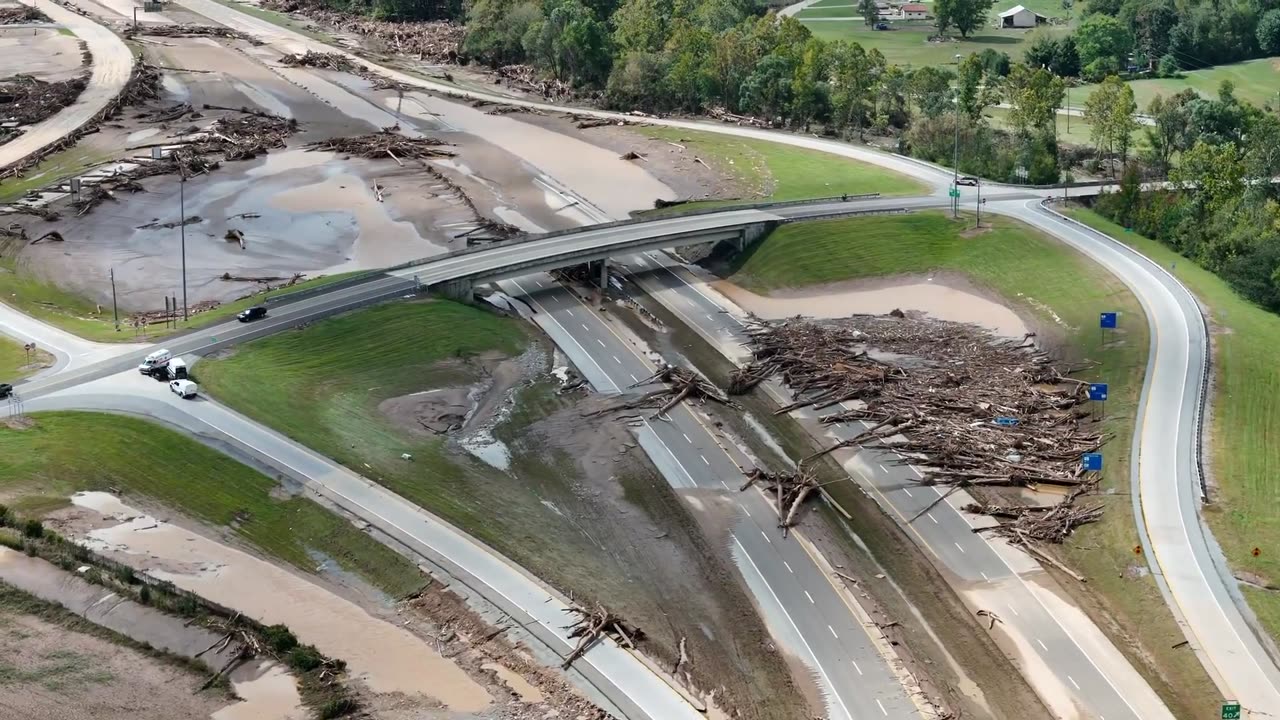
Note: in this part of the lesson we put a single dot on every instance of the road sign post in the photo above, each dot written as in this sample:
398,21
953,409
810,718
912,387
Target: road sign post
1230,711
1091,461
1098,394
1107,321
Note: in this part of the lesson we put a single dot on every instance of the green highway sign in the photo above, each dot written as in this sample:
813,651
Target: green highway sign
1231,711
954,192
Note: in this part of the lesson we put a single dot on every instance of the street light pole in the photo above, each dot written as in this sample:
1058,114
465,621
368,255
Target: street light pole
182,230
115,312
978,187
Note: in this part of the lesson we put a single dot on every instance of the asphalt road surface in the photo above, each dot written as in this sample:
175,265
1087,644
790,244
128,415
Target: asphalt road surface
112,64
802,605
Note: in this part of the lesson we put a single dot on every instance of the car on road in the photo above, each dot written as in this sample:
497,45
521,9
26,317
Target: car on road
5,390
254,313
183,388
969,180
882,26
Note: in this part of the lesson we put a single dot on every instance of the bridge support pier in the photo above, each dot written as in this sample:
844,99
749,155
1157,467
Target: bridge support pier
460,290
752,233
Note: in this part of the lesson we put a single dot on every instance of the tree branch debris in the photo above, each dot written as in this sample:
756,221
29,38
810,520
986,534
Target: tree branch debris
679,384
591,626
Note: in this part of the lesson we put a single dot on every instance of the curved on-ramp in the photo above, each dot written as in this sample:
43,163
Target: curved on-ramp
112,64
1167,479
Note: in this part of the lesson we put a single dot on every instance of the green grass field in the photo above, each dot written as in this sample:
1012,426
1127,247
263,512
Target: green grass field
909,44
773,171
835,11
1257,81
1037,275
13,360
70,451
1245,430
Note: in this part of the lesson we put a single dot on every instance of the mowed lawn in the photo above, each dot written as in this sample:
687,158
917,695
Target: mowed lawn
1244,465
766,170
908,44
66,452
1039,276
1257,81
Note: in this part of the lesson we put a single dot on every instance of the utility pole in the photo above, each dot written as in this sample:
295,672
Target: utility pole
978,187
115,312
1068,109
182,230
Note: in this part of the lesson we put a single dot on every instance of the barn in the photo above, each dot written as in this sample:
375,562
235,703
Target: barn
1020,17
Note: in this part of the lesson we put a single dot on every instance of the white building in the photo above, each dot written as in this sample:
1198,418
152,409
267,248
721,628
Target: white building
1020,17
914,11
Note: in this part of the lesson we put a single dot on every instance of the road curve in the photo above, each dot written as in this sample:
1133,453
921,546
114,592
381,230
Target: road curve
1167,480
112,63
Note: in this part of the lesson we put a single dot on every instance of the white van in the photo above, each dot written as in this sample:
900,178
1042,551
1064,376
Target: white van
183,388
178,369
155,360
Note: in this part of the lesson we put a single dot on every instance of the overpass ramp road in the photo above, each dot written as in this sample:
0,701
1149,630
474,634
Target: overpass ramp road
112,64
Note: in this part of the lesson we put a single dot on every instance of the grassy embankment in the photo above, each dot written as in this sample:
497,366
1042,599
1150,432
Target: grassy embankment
763,170
626,541
1245,422
1038,277
65,452
13,360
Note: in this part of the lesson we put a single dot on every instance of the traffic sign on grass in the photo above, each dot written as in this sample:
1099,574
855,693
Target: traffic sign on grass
1098,392
1107,320
1091,461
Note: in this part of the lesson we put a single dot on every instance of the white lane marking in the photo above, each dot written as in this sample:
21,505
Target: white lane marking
538,283
882,710
833,632
584,327
686,438
725,484
634,378
704,459
931,517
825,678
569,310
600,341
908,492
553,319
811,602
615,359
744,509
1042,643
855,666
935,489
984,576
882,469
1073,682
1014,609
766,537
958,546
784,562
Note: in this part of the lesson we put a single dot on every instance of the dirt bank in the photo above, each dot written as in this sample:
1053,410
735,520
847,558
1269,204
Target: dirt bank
55,671
385,658
943,296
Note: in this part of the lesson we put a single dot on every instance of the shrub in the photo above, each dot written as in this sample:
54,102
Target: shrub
304,658
338,707
33,529
280,638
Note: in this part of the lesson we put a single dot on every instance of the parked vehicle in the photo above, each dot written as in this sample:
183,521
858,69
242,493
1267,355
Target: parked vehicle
5,390
254,313
183,388
155,361
968,180
882,26
177,369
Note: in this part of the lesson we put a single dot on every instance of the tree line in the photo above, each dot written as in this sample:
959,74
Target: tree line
1223,208
1165,36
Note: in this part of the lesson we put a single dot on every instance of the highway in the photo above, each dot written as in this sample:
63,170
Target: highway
112,64
1068,660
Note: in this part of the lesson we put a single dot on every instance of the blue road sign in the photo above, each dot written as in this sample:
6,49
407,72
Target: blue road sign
1091,461
1107,320
1006,421
1098,391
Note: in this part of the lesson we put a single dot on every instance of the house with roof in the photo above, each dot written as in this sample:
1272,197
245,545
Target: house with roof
913,11
1020,17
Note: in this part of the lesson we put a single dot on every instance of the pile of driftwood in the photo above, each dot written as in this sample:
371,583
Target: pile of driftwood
679,384
18,15
384,144
591,626
723,115
28,100
323,60
969,408
790,490
189,31
527,77
430,41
